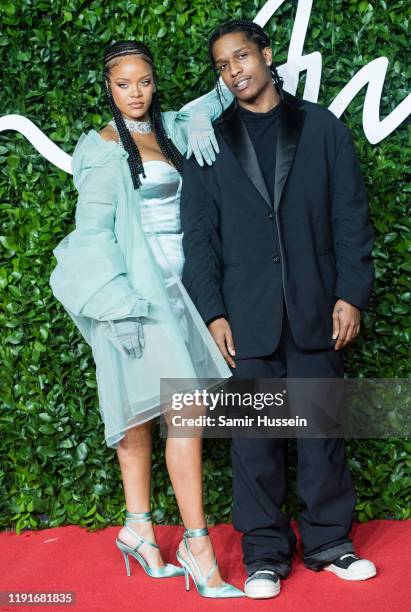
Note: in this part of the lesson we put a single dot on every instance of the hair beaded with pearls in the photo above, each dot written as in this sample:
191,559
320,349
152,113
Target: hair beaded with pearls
167,147
255,33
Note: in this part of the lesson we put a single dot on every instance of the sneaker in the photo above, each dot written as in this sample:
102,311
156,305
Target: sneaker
263,584
351,567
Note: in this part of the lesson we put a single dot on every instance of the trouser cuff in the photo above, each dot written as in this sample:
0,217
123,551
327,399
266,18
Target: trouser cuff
317,561
282,569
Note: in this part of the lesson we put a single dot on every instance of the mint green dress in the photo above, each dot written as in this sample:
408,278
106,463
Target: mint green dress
125,258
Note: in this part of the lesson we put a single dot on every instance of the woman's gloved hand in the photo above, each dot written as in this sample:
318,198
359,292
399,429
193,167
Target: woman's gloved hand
128,336
201,139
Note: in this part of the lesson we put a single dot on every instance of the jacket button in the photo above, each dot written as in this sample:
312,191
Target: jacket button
270,215
276,259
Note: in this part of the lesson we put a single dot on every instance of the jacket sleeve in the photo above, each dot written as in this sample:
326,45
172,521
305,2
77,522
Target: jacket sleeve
90,278
202,272
353,235
177,123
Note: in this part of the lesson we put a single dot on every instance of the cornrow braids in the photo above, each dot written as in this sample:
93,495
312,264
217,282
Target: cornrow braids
112,54
253,32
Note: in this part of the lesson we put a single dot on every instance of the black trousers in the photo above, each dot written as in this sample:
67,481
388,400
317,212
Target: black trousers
324,483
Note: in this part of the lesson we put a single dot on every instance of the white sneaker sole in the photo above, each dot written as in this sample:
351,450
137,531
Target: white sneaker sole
359,574
262,591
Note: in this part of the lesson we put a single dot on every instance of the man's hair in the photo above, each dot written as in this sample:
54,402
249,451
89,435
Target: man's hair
112,55
253,32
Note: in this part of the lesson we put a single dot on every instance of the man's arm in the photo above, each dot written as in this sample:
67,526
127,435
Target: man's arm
353,238
353,235
202,273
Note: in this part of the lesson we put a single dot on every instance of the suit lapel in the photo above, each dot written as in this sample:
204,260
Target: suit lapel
236,135
289,131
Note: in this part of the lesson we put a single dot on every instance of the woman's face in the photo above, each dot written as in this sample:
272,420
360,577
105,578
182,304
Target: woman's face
132,85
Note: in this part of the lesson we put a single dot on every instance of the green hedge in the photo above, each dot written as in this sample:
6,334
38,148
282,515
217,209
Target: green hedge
55,468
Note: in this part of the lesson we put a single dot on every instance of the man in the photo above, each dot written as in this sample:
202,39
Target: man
278,243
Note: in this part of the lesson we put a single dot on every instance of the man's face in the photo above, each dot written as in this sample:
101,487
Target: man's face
242,65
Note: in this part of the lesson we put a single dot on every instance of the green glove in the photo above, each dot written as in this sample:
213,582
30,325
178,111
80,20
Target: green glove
201,139
128,336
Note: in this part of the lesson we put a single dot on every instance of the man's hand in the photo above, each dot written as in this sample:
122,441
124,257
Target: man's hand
346,323
221,332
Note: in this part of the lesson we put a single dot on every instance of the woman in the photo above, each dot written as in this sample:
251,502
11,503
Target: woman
118,276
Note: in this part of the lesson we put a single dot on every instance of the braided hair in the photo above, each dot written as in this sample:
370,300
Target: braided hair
111,55
253,32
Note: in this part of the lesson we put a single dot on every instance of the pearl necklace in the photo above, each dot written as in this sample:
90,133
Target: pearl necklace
141,127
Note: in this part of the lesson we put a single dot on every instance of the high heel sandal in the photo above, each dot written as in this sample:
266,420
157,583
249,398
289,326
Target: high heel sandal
224,590
167,571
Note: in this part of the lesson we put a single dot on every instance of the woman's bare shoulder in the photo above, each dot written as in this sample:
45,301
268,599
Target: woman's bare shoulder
109,133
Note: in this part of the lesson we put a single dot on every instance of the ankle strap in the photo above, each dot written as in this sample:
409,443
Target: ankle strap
138,517
195,533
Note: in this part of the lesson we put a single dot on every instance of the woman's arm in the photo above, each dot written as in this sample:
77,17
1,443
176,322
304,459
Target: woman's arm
191,128
210,103
90,278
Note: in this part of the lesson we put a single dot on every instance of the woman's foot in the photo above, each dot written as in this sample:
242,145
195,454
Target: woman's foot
145,530
202,551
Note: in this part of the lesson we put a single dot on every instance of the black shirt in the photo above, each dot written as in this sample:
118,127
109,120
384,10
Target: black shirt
263,128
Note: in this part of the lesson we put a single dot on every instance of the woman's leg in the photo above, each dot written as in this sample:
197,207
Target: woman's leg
184,463
134,455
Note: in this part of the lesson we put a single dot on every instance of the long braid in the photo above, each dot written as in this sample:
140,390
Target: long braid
255,33
167,147
165,143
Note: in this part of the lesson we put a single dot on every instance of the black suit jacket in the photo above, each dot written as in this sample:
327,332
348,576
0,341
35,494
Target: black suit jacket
313,243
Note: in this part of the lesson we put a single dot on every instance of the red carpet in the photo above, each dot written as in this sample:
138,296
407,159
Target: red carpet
71,559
